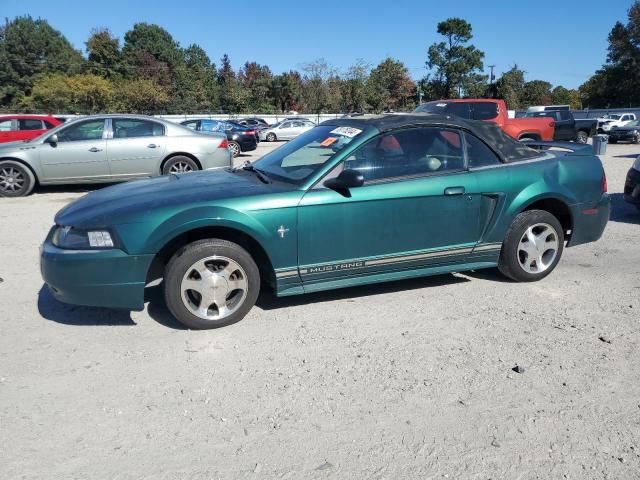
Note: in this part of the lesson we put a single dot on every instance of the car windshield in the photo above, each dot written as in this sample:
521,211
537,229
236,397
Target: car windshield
295,161
277,124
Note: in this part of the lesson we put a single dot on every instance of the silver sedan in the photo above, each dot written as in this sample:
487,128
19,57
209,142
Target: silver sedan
286,130
108,148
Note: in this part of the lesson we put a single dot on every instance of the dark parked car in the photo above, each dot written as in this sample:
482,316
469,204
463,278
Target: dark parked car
253,122
241,139
626,133
568,128
632,185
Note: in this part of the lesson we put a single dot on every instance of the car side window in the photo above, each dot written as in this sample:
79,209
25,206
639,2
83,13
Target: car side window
5,125
30,124
193,125
485,111
133,128
48,125
89,130
408,152
478,153
286,125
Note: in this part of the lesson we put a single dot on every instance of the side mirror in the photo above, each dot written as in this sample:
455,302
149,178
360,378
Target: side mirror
53,139
346,180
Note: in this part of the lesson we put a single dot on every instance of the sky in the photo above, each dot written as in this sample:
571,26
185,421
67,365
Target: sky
560,41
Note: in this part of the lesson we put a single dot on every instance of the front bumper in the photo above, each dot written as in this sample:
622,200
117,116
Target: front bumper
96,278
589,221
632,187
622,136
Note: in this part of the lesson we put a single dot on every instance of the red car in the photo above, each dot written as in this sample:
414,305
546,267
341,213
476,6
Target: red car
15,128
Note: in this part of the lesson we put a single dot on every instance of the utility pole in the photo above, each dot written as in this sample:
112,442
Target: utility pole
491,77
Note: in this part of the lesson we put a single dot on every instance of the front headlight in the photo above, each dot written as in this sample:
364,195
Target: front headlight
636,164
78,239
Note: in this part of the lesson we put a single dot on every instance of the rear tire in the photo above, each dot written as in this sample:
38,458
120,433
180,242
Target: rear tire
532,247
16,179
582,137
234,148
210,284
179,164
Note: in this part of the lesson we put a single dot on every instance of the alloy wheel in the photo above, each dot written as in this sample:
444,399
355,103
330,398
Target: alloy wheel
214,288
234,148
180,167
12,180
538,248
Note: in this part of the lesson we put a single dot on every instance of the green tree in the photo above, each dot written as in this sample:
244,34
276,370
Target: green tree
84,93
390,88
257,80
315,85
354,87
150,52
104,55
286,91
510,88
536,92
196,88
29,48
140,95
452,61
617,83
233,97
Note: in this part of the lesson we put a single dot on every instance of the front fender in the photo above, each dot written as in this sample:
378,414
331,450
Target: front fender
200,217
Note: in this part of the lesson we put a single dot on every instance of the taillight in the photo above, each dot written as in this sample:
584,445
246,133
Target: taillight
250,132
224,144
604,183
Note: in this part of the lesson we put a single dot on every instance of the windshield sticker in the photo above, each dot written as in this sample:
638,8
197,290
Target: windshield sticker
328,141
346,131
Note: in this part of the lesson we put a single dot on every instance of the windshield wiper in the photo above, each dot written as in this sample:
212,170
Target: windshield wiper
250,168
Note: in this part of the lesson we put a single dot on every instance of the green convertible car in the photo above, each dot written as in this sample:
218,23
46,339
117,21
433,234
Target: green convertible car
350,202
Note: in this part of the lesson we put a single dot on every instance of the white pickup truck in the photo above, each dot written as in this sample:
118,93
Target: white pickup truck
612,120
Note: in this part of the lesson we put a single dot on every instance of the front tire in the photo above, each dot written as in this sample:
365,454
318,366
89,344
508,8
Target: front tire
210,284
16,180
532,247
271,137
179,164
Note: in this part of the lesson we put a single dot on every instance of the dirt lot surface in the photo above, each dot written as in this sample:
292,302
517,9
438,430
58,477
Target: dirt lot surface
410,379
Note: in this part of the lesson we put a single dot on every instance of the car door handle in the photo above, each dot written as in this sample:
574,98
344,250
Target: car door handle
454,191
152,145
95,149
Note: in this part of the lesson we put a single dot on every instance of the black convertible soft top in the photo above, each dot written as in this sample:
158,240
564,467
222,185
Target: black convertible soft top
508,149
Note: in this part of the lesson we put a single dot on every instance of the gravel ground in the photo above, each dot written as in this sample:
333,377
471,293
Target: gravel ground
410,379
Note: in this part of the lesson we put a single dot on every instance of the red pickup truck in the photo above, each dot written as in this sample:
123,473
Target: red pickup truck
494,111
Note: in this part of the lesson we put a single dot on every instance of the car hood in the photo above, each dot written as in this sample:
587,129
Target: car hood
133,201
626,128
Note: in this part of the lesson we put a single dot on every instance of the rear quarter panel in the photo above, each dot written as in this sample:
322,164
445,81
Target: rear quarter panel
576,180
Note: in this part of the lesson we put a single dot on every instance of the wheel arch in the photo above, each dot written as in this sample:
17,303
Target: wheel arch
26,164
557,207
231,234
530,134
179,154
